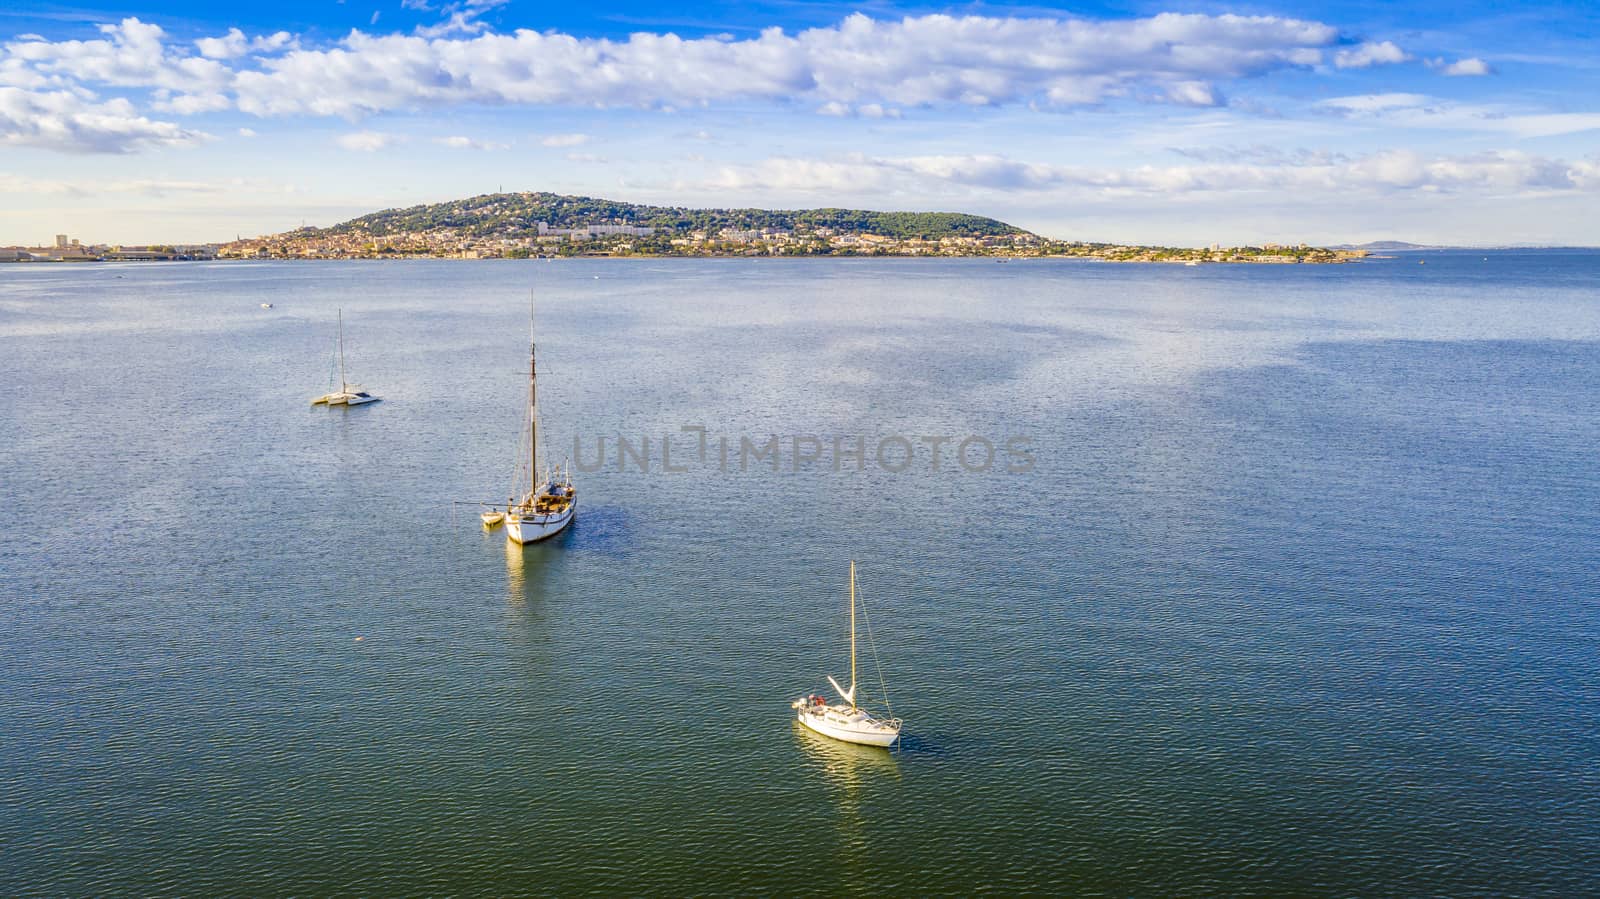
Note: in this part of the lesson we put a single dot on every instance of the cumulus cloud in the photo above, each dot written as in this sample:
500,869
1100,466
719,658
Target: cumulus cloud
864,63
1395,170
1369,54
132,54
234,44
1472,65
67,121
861,66
972,60
366,141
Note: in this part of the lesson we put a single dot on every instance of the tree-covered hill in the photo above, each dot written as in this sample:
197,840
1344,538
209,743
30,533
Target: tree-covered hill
518,215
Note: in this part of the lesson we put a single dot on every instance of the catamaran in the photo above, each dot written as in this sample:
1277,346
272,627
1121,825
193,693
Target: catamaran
348,394
848,721
552,502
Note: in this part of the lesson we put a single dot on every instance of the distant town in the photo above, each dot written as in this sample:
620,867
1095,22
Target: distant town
69,249
625,240
541,225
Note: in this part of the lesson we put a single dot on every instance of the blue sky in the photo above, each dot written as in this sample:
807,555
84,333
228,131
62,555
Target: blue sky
1181,122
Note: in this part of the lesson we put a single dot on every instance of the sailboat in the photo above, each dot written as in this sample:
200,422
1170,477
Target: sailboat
847,721
348,394
546,509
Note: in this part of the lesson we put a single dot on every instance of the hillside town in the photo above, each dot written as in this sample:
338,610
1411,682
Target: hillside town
613,239
625,240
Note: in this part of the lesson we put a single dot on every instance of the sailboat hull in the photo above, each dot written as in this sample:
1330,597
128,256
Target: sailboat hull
533,528
865,731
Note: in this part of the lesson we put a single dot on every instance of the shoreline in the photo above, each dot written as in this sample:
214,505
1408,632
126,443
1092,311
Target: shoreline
1178,262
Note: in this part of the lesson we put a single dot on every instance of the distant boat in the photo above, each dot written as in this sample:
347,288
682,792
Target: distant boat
348,394
850,722
1192,262
551,502
263,305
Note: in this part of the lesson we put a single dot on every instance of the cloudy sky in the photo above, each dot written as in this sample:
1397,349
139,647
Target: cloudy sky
1469,121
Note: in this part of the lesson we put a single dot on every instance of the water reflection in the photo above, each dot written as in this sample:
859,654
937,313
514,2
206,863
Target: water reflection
525,569
516,574
850,772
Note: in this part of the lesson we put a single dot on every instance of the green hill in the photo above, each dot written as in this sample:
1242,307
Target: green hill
518,215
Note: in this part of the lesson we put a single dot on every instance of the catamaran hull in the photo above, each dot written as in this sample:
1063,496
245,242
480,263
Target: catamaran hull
533,528
865,738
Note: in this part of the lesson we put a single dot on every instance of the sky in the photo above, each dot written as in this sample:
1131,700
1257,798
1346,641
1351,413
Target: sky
1192,123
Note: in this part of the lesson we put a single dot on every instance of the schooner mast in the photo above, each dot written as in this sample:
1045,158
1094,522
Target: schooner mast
551,501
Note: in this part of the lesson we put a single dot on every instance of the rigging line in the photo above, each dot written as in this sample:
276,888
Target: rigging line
873,644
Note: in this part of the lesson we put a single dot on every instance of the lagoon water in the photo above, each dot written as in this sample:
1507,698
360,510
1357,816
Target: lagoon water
1300,594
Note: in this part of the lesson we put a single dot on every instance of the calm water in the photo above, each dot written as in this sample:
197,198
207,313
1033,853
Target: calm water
1300,596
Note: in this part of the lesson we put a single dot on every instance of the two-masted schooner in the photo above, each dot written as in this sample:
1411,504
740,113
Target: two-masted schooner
348,394
848,721
551,502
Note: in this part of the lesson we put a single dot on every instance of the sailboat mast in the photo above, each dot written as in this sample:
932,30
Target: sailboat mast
533,401
852,633
343,387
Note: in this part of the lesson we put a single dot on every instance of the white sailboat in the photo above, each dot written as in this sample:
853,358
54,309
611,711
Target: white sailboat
847,721
348,394
552,503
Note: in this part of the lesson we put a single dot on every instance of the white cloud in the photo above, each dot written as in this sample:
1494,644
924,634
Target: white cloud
1472,65
367,141
933,59
866,110
1370,103
193,104
66,121
1193,93
458,142
132,54
228,46
247,132
565,140
1419,111
234,44
1384,172
1370,54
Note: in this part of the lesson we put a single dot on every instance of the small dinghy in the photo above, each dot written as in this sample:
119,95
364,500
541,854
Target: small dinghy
491,518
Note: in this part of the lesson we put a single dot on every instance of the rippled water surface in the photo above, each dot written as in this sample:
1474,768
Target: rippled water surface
1300,595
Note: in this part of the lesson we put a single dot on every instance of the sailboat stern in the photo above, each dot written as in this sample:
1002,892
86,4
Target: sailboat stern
531,527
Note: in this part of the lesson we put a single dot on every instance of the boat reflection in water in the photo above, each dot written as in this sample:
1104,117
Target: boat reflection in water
525,561
516,574
845,765
857,776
